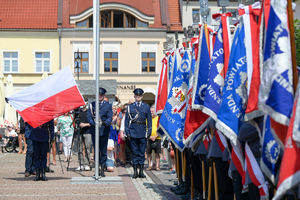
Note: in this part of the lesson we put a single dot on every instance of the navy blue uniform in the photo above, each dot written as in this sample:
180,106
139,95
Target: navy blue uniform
106,114
40,139
136,126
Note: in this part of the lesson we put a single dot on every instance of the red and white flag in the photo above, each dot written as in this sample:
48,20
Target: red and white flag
48,98
162,87
237,157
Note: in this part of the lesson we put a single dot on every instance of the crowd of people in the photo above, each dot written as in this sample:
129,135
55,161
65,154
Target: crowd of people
118,144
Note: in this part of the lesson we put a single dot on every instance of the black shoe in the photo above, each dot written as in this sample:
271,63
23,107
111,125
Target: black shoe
178,187
127,165
102,170
48,169
184,190
44,178
135,173
141,174
187,196
37,176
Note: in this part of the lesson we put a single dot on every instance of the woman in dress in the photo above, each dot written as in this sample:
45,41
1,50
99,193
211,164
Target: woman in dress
66,130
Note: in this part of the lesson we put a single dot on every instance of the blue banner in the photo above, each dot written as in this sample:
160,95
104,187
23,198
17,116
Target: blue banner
271,153
173,117
215,81
201,73
234,102
276,88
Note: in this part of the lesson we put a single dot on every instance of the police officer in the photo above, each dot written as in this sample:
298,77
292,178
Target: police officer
40,142
105,115
138,126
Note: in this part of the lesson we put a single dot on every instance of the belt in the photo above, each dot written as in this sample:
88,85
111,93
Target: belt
138,123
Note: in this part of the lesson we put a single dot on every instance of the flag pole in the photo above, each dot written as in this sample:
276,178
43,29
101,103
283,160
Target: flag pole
293,47
96,39
177,166
203,179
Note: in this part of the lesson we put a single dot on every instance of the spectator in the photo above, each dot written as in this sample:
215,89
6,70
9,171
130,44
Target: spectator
21,136
110,155
66,129
121,137
128,151
53,147
85,145
172,158
154,142
13,136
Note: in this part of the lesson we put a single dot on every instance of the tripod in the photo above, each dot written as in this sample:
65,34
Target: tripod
77,134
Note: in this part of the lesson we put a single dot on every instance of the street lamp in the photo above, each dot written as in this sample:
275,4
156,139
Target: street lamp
77,67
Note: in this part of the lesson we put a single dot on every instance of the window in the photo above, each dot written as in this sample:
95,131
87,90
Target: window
10,61
113,19
111,62
234,13
196,16
148,62
84,62
42,62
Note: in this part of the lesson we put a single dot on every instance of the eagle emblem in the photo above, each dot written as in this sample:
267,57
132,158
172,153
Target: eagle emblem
179,135
178,100
242,89
272,152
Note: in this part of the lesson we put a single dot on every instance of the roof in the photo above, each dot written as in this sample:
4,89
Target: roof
175,16
144,6
87,87
28,14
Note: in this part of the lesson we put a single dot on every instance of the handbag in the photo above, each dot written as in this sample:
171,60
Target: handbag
153,145
165,143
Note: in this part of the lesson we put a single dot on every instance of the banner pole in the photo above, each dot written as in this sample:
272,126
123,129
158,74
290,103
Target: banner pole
293,47
203,179
177,165
96,47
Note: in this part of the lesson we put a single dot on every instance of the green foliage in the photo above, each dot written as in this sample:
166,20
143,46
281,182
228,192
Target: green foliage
297,38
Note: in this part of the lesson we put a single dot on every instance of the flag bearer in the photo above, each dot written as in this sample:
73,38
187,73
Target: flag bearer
105,114
138,126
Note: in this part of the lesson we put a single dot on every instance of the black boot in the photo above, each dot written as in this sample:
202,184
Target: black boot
37,176
102,170
43,178
141,174
178,187
184,190
135,173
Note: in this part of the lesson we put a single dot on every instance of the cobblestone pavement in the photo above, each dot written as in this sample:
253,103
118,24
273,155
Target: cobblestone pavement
13,184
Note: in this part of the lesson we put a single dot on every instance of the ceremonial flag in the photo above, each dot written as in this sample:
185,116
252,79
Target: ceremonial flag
238,159
222,142
201,72
173,117
170,69
195,120
48,98
276,88
232,109
289,175
162,87
215,83
271,153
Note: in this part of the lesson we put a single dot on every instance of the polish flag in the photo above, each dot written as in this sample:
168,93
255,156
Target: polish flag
162,87
48,98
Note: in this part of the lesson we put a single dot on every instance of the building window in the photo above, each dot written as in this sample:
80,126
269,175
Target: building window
10,61
87,23
42,62
234,13
111,62
196,16
148,62
84,62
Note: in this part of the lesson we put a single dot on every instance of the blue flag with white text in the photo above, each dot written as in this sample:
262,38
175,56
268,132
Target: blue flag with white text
201,73
172,119
276,88
271,153
215,81
234,101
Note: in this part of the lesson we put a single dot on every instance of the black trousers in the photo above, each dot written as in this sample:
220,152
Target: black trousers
197,171
224,182
128,152
238,186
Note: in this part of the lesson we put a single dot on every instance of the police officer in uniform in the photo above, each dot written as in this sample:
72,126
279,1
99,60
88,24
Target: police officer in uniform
40,141
138,126
105,116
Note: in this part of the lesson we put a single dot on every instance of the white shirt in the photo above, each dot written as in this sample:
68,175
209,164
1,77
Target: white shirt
110,154
122,128
12,133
